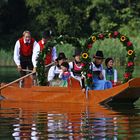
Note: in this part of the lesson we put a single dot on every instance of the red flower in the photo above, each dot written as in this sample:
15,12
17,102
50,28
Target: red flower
89,75
89,46
116,34
127,75
101,36
129,43
83,64
129,64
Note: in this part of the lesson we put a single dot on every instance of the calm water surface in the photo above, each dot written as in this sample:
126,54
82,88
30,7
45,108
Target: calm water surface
43,121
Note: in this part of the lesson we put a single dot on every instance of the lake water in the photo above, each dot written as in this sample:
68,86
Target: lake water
43,121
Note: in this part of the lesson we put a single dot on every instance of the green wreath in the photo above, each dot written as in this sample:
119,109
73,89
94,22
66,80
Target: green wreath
42,55
86,72
113,35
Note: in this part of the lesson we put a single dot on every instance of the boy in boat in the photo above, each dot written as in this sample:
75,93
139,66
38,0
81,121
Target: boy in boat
76,68
51,55
54,71
98,79
25,54
110,73
64,74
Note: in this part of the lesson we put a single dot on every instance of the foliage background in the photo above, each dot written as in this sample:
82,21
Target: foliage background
78,18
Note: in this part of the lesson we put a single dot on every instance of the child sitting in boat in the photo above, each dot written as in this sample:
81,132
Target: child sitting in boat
64,74
98,79
110,73
54,71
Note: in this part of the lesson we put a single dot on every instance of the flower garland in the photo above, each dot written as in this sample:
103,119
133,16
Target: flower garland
86,60
113,35
42,55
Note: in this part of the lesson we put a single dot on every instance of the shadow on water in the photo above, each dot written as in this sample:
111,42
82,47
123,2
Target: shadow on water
42,121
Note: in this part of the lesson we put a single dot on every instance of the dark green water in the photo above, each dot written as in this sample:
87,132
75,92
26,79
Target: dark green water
8,74
109,123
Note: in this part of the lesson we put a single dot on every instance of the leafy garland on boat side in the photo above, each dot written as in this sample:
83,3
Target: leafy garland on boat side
129,68
42,55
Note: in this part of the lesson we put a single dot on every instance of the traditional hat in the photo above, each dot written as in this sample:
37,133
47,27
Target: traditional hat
77,52
61,56
99,54
46,34
65,64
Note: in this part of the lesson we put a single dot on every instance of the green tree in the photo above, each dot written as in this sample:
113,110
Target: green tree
62,16
13,20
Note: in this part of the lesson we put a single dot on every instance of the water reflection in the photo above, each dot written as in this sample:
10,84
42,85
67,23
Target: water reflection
89,123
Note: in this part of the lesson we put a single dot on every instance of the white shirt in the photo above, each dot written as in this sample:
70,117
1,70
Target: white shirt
115,75
54,54
94,68
36,50
74,76
53,71
70,65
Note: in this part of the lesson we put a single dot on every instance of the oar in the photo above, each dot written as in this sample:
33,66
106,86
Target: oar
26,70
49,64
1,97
23,77
16,80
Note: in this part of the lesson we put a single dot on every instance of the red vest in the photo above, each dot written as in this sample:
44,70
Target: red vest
48,58
76,69
26,49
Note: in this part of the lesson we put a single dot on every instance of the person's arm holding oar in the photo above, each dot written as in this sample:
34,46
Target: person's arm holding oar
17,80
25,54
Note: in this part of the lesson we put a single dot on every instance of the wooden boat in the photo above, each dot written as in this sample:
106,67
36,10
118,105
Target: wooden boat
124,93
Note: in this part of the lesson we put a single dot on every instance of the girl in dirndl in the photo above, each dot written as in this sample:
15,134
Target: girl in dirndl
64,74
109,72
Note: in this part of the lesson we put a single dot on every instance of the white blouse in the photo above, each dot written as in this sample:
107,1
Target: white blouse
115,75
53,71
36,50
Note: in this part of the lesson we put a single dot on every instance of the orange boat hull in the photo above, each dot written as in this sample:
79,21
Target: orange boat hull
72,94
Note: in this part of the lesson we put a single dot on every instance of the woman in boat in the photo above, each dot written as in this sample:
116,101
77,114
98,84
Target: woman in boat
54,71
64,74
98,79
76,68
109,72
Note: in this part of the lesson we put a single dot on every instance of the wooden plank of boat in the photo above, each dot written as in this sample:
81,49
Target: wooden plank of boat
128,95
73,94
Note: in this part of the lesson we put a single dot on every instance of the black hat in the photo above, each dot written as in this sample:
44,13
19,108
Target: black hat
61,56
99,54
47,33
107,60
65,64
77,52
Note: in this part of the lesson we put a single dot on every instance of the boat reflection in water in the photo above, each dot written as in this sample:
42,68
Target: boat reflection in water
42,121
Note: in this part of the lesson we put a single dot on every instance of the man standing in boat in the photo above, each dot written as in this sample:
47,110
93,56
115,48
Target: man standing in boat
51,55
25,54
